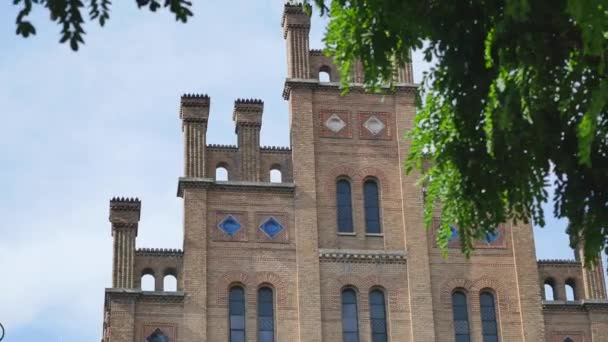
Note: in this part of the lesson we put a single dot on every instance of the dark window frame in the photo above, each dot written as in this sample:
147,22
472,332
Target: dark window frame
344,205
371,206
350,305
232,305
378,324
460,316
265,312
489,316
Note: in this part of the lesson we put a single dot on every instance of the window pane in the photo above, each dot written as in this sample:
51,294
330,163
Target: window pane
237,322
237,336
377,311
461,317
372,211
488,317
463,338
265,315
344,206
378,326
379,338
350,319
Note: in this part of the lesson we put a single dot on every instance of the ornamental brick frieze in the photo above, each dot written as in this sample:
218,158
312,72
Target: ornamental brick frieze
362,256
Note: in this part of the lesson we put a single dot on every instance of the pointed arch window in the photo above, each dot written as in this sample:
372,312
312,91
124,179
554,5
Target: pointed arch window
265,315
344,206
236,310
461,317
157,336
489,325
377,312
350,317
372,207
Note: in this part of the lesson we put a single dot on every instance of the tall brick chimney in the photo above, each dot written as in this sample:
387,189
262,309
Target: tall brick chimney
247,117
194,113
124,216
296,26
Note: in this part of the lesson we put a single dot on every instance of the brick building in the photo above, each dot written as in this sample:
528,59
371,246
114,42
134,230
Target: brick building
334,250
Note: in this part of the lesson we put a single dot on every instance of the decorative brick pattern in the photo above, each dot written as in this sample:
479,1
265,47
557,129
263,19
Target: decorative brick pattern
375,126
330,117
281,237
218,234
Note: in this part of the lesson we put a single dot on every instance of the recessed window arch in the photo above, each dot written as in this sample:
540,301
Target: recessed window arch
148,280
460,310
221,172
489,324
158,336
170,283
236,312
344,205
276,175
570,289
325,74
371,201
377,313
549,289
350,315
265,314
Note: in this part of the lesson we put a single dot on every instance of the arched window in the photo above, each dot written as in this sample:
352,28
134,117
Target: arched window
350,318
570,290
489,326
372,207
148,282
157,336
237,314
344,206
377,313
568,339
265,315
461,317
221,173
548,287
324,74
170,283
275,176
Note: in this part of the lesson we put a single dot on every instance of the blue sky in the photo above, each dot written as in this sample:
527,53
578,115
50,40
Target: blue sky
79,128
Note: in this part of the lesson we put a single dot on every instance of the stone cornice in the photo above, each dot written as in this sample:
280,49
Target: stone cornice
558,262
362,256
300,83
146,296
209,183
576,305
159,252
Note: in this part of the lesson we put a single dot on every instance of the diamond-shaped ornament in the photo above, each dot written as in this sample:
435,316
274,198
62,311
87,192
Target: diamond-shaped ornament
271,227
374,125
229,225
335,123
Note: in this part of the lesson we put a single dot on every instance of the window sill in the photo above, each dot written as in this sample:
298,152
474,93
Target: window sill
347,234
374,234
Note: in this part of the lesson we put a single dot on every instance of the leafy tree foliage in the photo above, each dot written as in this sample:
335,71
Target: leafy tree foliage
519,89
69,15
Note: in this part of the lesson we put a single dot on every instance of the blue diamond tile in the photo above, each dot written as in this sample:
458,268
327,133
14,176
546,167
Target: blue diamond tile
491,237
454,233
271,227
229,225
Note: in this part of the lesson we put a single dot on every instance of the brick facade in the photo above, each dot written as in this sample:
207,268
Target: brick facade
250,232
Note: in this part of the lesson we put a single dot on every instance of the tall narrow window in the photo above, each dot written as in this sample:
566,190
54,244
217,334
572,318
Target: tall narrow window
344,206
265,315
488,317
372,208
377,312
350,318
157,336
570,289
237,314
461,317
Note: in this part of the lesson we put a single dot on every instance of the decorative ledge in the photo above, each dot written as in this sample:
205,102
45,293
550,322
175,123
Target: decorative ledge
159,252
210,183
362,256
149,296
576,305
558,262
296,83
275,149
223,147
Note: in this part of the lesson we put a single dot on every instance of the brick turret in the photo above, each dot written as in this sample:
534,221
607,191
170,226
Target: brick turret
194,113
124,216
296,26
248,120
